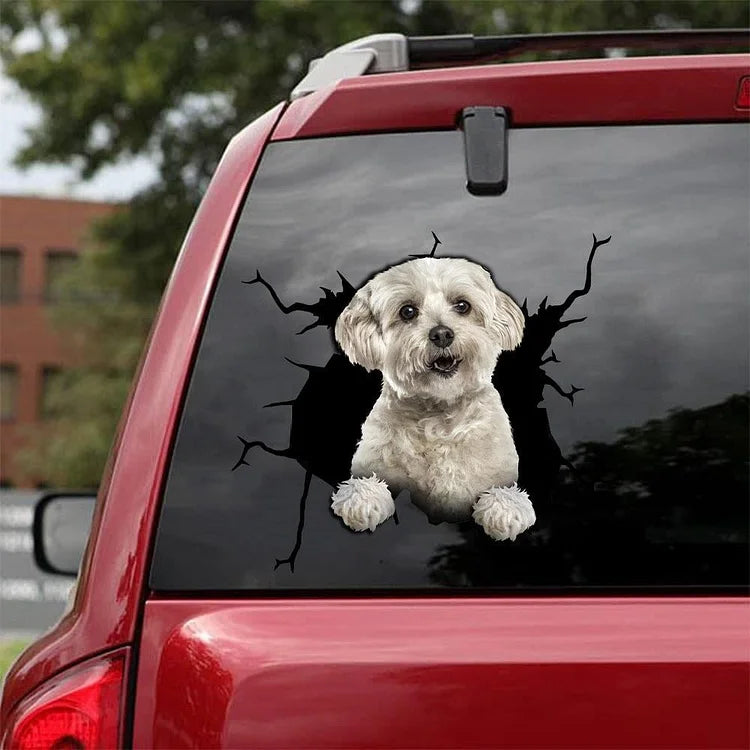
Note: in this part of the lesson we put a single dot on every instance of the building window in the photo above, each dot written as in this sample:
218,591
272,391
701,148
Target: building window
10,275
57,264
8,392
48,406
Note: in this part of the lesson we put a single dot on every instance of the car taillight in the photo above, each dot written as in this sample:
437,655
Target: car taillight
80,709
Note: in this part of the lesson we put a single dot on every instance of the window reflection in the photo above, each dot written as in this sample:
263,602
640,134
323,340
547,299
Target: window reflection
640,479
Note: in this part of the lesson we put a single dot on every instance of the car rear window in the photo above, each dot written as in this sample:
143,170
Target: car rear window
628,398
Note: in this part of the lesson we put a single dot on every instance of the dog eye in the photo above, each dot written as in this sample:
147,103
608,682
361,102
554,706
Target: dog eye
408,312
462,307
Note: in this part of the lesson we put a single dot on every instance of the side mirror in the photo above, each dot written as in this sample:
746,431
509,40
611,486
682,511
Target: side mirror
61,529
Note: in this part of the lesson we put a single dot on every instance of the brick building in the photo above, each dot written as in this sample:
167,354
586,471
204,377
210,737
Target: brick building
39,239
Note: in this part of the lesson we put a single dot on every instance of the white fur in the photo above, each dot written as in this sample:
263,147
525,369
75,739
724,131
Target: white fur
446,439
363,503
504,512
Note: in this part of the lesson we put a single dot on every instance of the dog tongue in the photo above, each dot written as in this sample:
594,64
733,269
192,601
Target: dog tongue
444,363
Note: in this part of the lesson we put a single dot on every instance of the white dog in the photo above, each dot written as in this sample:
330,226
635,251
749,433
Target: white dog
434,327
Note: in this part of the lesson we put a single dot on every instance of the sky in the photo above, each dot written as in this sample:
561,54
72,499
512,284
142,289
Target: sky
17,113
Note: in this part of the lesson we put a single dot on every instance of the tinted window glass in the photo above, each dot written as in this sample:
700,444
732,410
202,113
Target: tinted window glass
49,406
628,399
8,392
57,265
10,275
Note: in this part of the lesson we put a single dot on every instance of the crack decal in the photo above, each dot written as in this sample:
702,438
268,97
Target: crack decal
328,413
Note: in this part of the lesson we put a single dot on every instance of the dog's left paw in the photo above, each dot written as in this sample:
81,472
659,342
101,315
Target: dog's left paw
504,512
363,502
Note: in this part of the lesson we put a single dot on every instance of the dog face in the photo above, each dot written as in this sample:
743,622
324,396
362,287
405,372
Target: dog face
433,326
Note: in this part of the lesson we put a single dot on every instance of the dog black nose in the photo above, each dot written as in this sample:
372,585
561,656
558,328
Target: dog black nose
441,336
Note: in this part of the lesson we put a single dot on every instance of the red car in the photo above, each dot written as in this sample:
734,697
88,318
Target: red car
221,603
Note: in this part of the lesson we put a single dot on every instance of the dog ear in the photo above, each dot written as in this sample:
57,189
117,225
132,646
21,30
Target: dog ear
358,332
507,323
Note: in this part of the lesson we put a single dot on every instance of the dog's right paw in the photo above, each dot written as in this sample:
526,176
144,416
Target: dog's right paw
504,512
363,502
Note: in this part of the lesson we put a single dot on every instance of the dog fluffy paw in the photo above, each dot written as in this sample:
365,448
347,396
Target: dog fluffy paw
504,512
363,503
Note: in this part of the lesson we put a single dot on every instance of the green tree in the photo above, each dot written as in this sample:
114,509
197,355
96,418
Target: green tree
174,81
668,496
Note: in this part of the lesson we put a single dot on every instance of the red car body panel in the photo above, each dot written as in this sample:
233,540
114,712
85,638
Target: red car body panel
576,673
580,92
304,673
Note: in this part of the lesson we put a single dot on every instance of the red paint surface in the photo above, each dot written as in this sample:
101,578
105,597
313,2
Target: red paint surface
552,673
628,90
111,587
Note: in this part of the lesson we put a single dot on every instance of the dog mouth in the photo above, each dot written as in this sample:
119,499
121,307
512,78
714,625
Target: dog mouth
444,365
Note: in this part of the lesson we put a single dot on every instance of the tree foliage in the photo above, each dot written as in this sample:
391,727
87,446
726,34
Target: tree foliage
631,511
174,81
